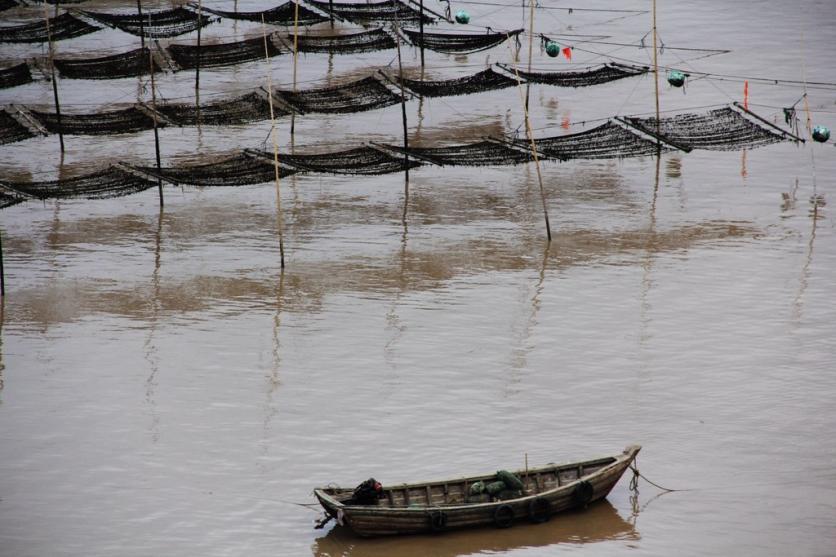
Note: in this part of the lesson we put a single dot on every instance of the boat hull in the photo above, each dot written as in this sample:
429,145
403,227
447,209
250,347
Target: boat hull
537,506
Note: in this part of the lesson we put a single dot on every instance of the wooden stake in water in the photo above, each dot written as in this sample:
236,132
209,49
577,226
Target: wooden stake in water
156,132
2,271
141,26
421,33
656,67
279,222
295,59
532,145
197,65
54,81
530,48
403,114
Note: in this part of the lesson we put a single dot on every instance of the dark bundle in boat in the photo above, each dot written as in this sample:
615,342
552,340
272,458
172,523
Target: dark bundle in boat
450,504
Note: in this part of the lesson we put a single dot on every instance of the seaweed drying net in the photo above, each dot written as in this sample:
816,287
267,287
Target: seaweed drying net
127,64
224,54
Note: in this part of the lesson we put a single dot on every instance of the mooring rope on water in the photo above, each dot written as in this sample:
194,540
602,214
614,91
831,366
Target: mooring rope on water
634,482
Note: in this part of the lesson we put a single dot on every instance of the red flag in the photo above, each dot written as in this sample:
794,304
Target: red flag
565,123
746,94
567,52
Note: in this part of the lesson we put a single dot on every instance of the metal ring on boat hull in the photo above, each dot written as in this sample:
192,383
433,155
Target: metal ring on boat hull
583,493
503,516
539,510
438,521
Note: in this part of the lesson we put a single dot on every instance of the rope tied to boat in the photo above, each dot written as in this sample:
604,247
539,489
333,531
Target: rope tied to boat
634,481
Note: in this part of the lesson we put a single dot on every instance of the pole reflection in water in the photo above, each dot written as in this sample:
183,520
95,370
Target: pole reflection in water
150,348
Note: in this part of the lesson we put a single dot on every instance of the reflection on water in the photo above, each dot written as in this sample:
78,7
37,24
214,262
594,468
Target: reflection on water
600,522
306,283
163,385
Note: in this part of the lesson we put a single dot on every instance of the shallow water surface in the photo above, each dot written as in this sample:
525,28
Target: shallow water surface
165,389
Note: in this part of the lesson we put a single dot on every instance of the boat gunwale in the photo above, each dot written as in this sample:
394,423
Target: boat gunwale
627,456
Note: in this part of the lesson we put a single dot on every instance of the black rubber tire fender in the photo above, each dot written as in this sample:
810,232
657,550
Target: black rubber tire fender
583,493
539,510
438,521
503,516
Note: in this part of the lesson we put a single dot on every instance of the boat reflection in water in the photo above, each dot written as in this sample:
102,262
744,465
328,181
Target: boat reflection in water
599,522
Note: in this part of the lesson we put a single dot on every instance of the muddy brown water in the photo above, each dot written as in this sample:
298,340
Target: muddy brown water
166,390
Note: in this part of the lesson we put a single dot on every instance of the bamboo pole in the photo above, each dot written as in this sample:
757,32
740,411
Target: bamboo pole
331,12
197,66
421,33
141,26
656,66
403,114
279,222
530,48
532,145
156,131
2,271
54,81
295,60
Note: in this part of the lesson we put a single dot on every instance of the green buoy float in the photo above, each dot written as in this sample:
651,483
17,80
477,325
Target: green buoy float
462,17
552,49
676,78
821,134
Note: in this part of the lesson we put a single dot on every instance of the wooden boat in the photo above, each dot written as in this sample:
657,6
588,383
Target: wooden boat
448,504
